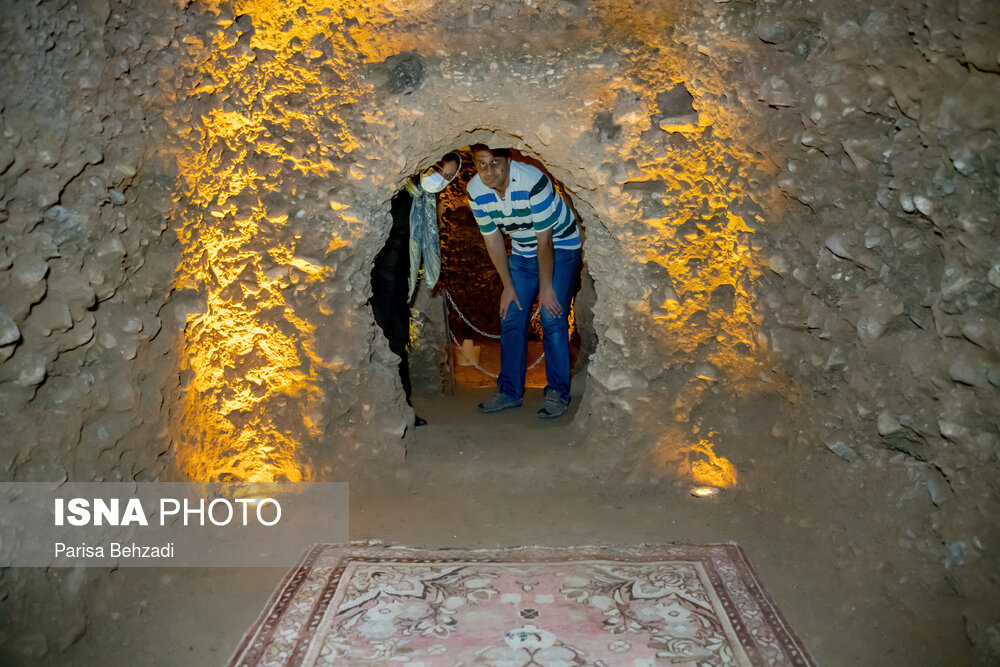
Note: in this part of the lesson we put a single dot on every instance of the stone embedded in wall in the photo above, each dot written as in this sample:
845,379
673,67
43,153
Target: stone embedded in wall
776,92
879,308
9,333
26,284
27,369
405,73
630,111
968,370
841,449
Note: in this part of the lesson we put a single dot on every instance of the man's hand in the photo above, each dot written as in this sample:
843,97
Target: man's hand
507,297
546,256
547,300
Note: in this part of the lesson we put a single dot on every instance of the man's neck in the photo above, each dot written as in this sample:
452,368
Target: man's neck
502,190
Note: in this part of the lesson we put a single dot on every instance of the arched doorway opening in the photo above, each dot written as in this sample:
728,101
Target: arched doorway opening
455,326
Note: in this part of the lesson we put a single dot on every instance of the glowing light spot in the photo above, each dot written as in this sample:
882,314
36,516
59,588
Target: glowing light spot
697,461
713,469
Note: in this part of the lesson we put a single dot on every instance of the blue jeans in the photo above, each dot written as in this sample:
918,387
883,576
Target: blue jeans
555,330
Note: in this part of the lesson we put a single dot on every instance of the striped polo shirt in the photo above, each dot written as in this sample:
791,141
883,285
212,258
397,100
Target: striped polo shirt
531,204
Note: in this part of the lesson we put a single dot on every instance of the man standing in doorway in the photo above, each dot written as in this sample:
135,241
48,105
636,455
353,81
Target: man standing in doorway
521,201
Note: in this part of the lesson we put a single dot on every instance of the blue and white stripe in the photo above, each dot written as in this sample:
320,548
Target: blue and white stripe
530,205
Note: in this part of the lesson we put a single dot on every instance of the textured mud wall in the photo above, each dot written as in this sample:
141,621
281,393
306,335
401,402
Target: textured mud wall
298,124
776,197
87,258
883,295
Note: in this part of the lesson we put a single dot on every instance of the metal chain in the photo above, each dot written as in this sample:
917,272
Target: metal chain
454,306
478,367
472,326
464,319
537,361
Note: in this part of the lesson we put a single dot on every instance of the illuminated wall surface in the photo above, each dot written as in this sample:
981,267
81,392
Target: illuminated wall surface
278,98
251,356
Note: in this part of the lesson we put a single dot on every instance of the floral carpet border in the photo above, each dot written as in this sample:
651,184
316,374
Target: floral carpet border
301,600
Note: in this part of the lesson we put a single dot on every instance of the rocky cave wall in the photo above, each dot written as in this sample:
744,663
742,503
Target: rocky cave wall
883,295
87,260
776,197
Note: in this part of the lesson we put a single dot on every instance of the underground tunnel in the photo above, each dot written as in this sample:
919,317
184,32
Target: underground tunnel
455,336
789,296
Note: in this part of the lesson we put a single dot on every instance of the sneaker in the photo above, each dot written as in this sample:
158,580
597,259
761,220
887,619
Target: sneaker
498,402
553,406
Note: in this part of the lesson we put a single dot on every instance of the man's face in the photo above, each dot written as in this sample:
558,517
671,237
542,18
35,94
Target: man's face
494,171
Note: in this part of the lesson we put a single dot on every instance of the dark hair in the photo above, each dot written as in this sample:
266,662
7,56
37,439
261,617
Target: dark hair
496,152
451,157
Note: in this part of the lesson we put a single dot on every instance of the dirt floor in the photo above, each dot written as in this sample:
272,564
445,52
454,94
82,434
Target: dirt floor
821,534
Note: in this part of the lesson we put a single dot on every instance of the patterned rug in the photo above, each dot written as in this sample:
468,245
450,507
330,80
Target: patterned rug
636,606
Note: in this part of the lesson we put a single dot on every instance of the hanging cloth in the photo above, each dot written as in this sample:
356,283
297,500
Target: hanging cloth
424,242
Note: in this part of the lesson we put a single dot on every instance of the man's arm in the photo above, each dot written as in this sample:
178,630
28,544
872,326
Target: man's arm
497,250
546,256
498,255
545,206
